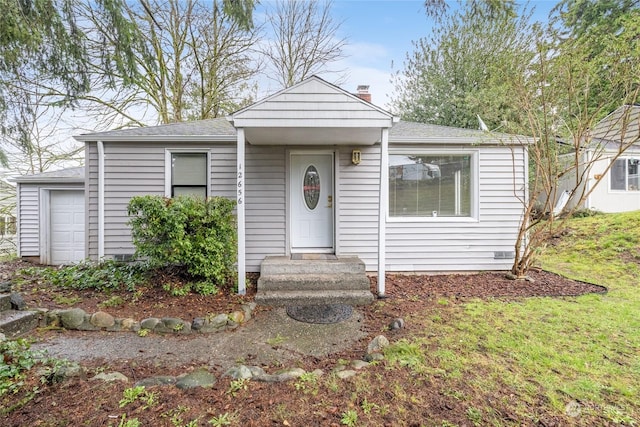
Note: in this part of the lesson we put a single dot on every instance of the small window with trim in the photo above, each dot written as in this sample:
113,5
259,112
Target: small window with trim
625,175
431,185
189,174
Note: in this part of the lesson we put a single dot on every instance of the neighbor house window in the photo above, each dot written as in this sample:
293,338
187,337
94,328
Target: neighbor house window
188,174
422,185
625,176
7,225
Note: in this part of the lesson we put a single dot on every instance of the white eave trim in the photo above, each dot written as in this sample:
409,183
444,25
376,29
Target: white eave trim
157,138
399,140
51,180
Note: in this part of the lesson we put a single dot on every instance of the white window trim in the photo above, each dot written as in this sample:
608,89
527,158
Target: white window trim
475,186
626,177
167,166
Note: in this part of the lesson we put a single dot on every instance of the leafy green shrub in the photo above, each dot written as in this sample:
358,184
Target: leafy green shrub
107,276
191,233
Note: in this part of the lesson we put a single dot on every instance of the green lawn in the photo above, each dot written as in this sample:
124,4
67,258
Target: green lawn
576,360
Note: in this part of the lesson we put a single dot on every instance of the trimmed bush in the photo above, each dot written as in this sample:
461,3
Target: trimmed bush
188,232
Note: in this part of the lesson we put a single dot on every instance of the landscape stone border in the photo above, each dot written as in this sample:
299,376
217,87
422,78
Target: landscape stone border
203,378
80,320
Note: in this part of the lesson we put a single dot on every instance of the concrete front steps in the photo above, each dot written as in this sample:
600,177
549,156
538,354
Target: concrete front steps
313,280
14,323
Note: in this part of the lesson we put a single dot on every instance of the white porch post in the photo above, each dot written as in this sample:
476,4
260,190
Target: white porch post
240,212
382,209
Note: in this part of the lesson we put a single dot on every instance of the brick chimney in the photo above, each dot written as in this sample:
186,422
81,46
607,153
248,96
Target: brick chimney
363,93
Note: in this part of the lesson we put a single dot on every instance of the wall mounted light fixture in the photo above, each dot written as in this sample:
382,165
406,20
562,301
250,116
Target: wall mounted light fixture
356,157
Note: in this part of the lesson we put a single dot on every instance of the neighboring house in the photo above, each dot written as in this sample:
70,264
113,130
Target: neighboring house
51,216
7,215
314,169
619,190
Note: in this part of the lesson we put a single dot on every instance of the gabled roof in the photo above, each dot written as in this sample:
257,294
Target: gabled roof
312,112
310,85
69,175
218,129
621,126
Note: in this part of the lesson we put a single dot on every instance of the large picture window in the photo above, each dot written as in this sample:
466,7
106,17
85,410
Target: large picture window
188,174
625,175
423,185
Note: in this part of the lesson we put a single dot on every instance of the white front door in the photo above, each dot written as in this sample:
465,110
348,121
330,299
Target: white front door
311,191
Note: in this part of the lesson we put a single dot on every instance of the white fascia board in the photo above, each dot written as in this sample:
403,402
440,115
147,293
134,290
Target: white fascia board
158,138
459,141
52,180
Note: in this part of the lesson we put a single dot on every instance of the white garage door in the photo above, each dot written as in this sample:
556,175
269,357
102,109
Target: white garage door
67,226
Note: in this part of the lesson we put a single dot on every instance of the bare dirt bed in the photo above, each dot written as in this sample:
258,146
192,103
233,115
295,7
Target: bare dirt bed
81,402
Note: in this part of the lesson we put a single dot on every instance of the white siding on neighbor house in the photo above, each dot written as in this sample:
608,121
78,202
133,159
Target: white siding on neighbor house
604,199
265,208
133,169
29,220
358,195
441,245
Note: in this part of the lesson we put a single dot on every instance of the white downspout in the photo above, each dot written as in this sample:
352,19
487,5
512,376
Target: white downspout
100,200
382,210
241,193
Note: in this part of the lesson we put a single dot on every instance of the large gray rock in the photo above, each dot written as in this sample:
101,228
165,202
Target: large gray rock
5,287
198,378
174,325
239,372
280,377
17,302
110,377
150,323
72,318
377,344
215,324
159,380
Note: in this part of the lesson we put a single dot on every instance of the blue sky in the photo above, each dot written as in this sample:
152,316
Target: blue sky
380,33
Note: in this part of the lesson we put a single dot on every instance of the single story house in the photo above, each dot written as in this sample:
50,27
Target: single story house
314,170
613,158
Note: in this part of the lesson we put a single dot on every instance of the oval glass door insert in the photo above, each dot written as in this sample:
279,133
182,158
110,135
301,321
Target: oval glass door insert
311,187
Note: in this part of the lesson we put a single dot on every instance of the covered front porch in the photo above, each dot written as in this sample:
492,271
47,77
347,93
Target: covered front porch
317,131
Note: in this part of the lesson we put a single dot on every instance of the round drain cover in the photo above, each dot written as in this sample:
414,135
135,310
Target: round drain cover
332,313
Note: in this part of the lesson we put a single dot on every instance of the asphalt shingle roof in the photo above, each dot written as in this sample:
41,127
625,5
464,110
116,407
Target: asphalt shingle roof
68,174
199,128
220,127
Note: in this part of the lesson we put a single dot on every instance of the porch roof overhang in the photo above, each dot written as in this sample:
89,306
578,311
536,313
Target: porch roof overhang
313,135
313,112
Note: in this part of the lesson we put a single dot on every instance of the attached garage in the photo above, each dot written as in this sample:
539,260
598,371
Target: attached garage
66,227
51,217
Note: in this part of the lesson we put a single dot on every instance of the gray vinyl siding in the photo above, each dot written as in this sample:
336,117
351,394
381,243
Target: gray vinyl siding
442,245
91,200
133,169
265,209
358,192
29,220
